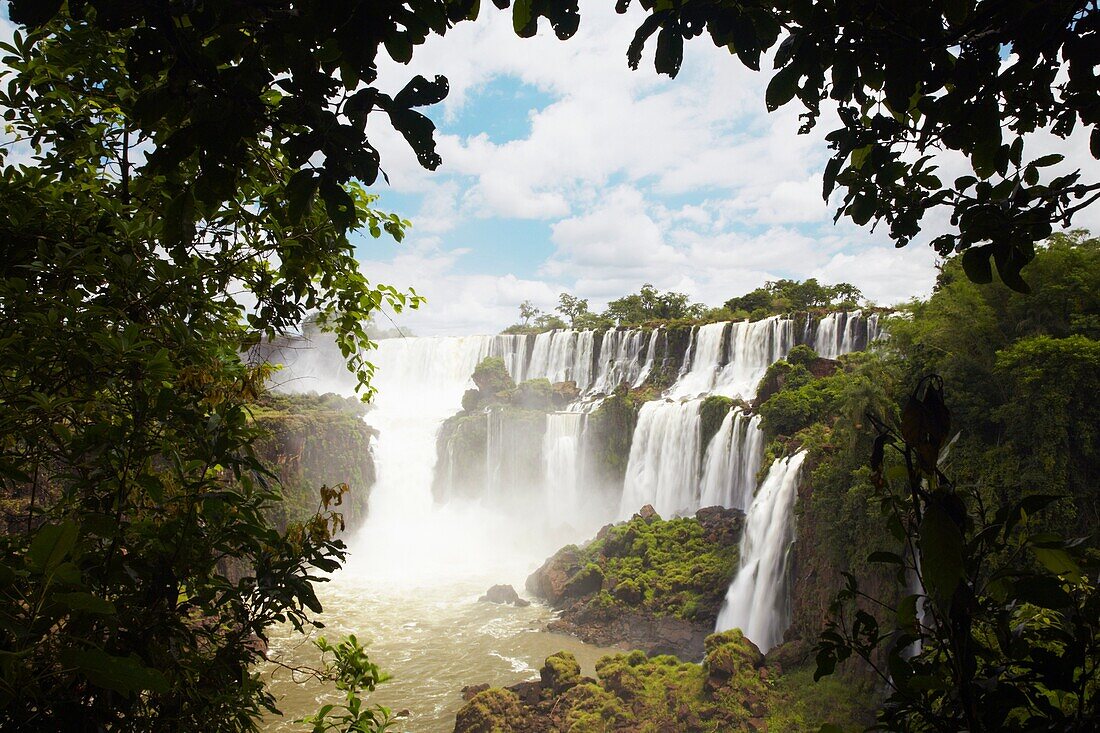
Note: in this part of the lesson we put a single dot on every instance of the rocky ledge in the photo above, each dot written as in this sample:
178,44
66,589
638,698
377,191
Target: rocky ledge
633,693
650,584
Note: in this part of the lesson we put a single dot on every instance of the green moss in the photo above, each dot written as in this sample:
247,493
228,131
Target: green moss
310,441
665,567
711,414
495,710
534,394
799,704
561,671
607,440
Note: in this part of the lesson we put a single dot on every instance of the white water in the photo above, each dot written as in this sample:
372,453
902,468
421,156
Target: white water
562,470
732,460
844,332
417,565
663,468
735,365
757,599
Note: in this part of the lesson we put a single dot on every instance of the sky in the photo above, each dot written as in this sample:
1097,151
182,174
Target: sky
565,171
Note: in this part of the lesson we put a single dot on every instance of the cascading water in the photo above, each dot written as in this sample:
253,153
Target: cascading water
731,462
663,468
757,600
845,332
733,366
562,469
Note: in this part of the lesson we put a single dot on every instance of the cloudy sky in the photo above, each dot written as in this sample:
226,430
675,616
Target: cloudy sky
564,171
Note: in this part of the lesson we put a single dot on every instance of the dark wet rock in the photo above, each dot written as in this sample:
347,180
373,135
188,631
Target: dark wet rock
503,594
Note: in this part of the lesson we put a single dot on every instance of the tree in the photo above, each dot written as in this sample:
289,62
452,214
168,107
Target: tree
649,304
572,307
1002,633
182,153
976,78
527,311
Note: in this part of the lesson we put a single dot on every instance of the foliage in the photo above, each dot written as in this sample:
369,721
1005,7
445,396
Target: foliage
711,414
649,304
492,378
786,296
667,567
1023,400
908,83
181,154
352,672
1003,632
527,311
573,308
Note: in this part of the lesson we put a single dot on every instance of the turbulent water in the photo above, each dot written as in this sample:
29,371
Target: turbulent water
417,566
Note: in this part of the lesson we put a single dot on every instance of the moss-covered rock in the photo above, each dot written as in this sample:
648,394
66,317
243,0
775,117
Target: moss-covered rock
560,672
730,691
492,378
495,710
651,583
610,429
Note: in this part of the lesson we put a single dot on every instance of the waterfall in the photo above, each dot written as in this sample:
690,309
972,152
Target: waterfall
663,467
757,600
620,359
845,332
731,462
734,367
650,354
562,469
704,363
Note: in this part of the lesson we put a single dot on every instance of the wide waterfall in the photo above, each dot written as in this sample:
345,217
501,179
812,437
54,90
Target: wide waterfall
757,600
533,491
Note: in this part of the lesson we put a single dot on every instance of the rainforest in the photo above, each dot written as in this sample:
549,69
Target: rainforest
721,457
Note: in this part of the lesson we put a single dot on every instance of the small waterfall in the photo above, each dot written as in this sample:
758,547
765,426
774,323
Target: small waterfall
731,462
650,354
757,600
663,467
705,361
562,469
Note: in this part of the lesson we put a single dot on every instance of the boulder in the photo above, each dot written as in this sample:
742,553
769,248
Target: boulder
503,594
560,672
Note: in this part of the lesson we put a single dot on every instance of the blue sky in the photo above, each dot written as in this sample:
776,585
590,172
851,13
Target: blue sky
565,171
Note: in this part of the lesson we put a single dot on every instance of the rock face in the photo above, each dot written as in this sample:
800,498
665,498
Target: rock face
633,693
503,594
647,584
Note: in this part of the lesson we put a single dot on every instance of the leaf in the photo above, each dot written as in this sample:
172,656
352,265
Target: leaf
881,556
976,265
521,19
941,548
33,13
299,193
907,611
670,51
420,92
51,545
860,155
125,675
83,601
782,87
1058,562
1048,160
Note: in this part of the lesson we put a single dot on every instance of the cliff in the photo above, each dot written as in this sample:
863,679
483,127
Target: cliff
310,441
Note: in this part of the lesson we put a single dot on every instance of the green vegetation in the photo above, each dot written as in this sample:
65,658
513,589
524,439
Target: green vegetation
711,414
310,441
788,296
664,567
731,690
1019,379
